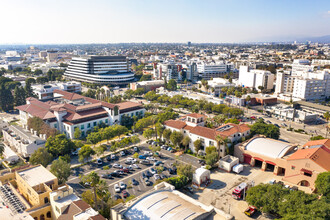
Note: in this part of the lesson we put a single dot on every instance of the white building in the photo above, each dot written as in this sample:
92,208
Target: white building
100,69
212,70
217,84
168,71
201,176
300,65
69,111
45,91
192,125
23,141
255,78
284,83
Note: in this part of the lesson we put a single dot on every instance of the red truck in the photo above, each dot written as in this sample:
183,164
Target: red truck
239,191
250,211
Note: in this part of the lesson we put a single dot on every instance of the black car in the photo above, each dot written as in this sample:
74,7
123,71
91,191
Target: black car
115,174
201,162
148,174
171,171
277,125
116,197
108,158
143,175
134,181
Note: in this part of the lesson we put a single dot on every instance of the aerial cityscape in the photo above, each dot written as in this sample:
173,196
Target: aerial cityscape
153,110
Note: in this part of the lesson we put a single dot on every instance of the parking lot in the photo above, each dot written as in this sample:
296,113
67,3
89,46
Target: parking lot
141,187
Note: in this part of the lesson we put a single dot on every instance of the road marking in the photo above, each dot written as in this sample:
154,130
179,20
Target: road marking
130,175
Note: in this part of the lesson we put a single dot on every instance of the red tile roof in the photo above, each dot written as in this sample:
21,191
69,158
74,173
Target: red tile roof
196,115
125,105
175,124
320,155
325,142
235,128
204,132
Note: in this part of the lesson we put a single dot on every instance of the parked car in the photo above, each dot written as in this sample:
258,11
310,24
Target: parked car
120,172
122,153
125,194
117,188
269,122
146,162
99,162
147,182
135,166
157,163
151,158
277,125
149,141
164,147
169,148
142,157
157,177
131,159
202,162
272,182
74,153
106,176
148,174
171,171
153,171
144,175
173,151
136,149
116,165
162,176
147,153
114,174
125,170
135,182
108,158
190,189
116,197
122,185
284,125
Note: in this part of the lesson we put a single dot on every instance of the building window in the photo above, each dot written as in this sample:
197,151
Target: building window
94,124
211,143
82,127
307,174
88,125
55,125
106,121
49,214
293,167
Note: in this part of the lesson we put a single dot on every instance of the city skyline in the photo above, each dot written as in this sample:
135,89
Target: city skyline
67,22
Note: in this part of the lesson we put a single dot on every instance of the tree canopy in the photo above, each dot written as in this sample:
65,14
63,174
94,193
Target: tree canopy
59,145
269,130
41,156
61,169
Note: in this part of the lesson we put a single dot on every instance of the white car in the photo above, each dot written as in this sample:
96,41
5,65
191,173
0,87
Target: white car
157,177
113,157
122,185
99,162
116,165
135,166
117,188
148,153
132,160
153,171
122,153
151,158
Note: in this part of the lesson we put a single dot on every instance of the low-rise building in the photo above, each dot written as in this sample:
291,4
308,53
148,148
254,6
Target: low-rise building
215,85
46,91
256,78
192,125
34,192
69,111
147,85
228,162
22,141
297,165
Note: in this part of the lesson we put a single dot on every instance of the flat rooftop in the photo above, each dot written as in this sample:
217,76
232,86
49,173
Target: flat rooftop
37,175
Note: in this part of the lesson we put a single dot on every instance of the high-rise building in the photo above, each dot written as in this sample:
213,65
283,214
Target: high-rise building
189,44
212,70
100,69
255,78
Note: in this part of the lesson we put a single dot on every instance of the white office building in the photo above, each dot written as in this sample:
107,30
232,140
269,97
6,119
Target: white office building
212,70
46,91
255,78
300,65
100,69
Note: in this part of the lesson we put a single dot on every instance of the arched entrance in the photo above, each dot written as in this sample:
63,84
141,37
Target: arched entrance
304,183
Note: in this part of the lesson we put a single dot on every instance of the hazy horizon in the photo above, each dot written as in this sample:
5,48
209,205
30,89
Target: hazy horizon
151,21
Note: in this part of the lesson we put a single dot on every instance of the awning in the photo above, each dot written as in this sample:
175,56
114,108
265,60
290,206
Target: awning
258,158
307,171
270,162
247,155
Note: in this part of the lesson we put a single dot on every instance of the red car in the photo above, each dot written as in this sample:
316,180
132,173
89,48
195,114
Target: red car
125,170
250,211
125,194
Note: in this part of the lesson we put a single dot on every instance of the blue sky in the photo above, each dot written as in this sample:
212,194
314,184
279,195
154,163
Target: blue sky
113,21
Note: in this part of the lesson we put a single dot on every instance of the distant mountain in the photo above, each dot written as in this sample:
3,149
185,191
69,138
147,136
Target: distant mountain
323,39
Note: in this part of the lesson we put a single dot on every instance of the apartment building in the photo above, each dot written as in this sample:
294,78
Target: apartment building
255,78
22,141
211,70
69,111
168,71
284,83
100,69
192,125
33,192
147,85
301,65
46,91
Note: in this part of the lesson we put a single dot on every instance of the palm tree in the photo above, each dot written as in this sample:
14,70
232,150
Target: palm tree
220,141
327,117
94,180
185,142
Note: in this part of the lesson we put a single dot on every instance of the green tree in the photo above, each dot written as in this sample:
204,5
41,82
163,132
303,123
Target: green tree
100,149
77,133
167,134
39,72
88,197
85,152
197,145
210,149
322,184
211,158
95,181
42,79
176,138
269,130
6,99
19,96
186,141
149,133
61,169
172,85
59,145
185,170
318,137
41,156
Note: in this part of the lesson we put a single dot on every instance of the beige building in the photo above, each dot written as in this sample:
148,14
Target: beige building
297,165
34,191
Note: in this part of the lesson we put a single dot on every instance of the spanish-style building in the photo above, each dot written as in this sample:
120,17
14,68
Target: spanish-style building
68,111
192,125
